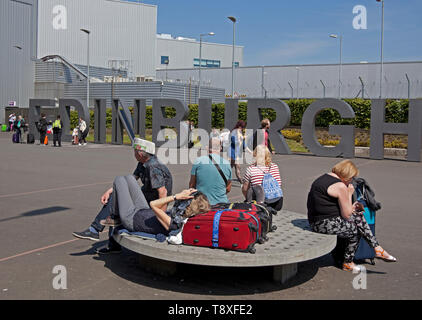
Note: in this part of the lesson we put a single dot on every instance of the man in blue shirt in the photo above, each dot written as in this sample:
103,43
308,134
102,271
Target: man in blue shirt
206,178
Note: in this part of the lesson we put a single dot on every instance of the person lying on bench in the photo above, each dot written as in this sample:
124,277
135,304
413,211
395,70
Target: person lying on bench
157,183
130,209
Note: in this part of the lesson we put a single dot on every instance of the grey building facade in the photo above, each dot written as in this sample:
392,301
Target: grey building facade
18,24
185,53
402,80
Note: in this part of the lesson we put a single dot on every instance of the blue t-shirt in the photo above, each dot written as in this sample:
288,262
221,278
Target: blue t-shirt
208,179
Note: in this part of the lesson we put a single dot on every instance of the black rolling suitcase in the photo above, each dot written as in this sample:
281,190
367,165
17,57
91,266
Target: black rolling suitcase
30,139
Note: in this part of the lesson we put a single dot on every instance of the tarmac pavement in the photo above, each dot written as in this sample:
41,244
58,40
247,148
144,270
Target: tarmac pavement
47,193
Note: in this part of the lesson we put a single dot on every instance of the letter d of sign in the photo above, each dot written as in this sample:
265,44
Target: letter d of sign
346,148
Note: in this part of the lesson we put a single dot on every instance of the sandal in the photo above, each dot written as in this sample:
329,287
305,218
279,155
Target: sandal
382,254
355,268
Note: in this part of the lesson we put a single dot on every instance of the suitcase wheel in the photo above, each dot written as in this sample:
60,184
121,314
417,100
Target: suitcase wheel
372,262
273,228
261,240
252,250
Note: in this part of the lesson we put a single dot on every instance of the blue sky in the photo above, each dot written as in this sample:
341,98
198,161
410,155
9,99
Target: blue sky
278,32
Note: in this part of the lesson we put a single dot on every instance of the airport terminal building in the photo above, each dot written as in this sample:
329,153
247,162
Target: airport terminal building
124,52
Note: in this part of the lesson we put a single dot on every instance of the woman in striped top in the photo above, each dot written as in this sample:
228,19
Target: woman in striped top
254,176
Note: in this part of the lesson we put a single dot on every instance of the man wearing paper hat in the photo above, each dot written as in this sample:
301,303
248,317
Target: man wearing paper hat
144,145
157,183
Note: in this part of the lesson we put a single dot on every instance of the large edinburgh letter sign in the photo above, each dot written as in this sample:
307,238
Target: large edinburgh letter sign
135,125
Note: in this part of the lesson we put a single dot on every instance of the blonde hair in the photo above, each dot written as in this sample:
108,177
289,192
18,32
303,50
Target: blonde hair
199,204
261,152
345,169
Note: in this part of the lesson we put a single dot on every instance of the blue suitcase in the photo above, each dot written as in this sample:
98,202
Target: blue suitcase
364,251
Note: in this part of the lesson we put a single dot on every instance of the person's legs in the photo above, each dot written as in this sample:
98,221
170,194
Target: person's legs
42,137
103,214
352,230
255,193
136,193
236,169
59,138
128,200
54,138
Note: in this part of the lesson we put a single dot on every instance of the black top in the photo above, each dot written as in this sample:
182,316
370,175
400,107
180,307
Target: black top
42,125
154,175
256,142
320,204
146,221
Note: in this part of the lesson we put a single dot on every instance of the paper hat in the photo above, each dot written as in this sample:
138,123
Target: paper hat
144,145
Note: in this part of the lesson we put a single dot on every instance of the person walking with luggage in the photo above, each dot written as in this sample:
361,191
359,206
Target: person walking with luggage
262,180
42,128
83,130
331,211
212,174
57,132
18,126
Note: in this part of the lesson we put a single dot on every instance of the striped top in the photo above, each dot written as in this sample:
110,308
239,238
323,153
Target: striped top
255,174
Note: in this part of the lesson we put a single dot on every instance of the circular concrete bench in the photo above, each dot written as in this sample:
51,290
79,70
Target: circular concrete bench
291,243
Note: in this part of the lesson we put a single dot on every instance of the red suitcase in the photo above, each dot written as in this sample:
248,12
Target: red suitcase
229,229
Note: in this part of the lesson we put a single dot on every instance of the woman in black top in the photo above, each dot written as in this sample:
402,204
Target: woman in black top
330,211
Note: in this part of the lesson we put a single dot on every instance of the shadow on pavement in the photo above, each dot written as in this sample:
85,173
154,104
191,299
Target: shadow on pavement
202,280
37,212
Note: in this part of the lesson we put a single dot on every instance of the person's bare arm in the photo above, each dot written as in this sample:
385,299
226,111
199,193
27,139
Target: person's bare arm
158,205
106,196
162,193
229,186
245,188
192,182
344,195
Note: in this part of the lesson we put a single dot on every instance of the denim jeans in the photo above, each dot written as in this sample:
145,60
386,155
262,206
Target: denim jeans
102,215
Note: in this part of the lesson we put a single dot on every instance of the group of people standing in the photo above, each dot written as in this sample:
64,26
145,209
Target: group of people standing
19,126
57,129
45,127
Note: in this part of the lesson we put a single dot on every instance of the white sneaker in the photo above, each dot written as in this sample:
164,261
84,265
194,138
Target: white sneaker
85,144
80,144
